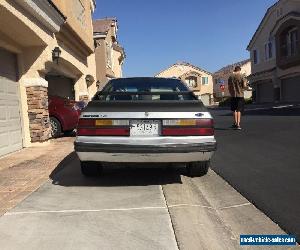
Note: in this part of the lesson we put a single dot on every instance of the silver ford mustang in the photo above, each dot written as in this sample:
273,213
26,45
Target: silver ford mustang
136,120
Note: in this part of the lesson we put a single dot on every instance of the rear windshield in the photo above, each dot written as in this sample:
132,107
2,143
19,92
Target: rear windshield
145,89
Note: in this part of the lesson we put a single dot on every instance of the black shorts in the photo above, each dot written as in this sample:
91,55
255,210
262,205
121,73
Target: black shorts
237,104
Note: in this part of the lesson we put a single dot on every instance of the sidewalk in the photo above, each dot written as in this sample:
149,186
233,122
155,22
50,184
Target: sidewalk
22,172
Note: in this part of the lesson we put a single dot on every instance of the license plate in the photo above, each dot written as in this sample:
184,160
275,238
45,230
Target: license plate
144,128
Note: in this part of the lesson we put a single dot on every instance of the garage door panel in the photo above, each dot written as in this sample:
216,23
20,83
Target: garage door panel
13,125
12,89
10,118
9,149
265,92
2,114
3,139
291,89
14,112
15,137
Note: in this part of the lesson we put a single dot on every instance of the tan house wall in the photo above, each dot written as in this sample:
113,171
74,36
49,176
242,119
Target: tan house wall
103,69
268,75
83,31
100,54
109,40
117,66
183,70
33,43
263,35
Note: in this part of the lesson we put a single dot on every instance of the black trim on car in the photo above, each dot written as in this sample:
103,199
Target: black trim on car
120,148
146,106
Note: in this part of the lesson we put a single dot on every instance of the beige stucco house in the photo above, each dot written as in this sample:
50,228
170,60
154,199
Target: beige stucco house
221,78
30,31
109,53
198,80
275,54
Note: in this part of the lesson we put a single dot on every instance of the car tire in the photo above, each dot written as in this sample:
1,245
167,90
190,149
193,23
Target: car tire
197,169
55,127
90,169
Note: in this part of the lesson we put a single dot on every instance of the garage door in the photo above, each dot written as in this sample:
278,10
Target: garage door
61,86
10,118
291,89
205,99
265,92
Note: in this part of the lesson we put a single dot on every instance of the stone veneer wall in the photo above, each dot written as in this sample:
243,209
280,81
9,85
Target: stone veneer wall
39,122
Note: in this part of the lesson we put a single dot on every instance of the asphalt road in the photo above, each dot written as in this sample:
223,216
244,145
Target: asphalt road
262,161
132,208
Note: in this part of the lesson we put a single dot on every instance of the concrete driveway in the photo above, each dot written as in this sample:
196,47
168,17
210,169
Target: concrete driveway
131,208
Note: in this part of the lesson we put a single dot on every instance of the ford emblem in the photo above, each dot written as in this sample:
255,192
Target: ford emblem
199,114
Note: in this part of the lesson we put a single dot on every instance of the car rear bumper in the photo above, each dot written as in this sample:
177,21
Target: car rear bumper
145,157
142,149
156,150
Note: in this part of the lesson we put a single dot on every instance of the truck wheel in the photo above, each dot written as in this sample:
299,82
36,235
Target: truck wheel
91,168
197,169
55,127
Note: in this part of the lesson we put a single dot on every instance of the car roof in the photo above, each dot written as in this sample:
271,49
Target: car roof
159,79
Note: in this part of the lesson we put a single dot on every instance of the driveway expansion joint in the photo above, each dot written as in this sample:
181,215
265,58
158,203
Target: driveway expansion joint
84,211
169,214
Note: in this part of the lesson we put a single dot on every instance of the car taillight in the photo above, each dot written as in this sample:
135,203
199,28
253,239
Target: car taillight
188,127
103,127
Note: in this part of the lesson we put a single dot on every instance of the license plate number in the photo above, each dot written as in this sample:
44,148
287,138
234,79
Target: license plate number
144,128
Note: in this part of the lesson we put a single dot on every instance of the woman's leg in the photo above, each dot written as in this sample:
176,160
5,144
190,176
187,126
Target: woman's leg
238,118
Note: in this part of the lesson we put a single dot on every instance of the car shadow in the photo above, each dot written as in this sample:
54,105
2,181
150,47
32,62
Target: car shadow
68,174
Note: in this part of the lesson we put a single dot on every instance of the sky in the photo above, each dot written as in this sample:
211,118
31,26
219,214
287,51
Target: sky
207,33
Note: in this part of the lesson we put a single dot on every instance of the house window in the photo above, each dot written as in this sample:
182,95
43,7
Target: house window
205,80
191,81
289,42
79,11
269,50
255,56
293,41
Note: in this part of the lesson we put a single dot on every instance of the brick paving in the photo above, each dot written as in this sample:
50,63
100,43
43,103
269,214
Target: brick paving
23,172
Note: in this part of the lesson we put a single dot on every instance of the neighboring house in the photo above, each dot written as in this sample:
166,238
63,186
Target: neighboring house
275,54
109,54
198,80
221,78
46,48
